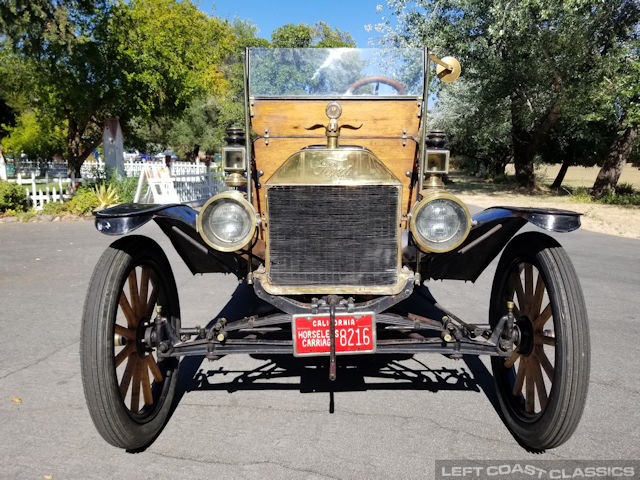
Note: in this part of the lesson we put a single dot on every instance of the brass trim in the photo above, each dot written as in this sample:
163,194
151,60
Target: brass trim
421,204
433,182
404,275
238,197
346,166
235,180
447,69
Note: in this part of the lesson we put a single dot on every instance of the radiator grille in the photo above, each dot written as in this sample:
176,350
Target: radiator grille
333,235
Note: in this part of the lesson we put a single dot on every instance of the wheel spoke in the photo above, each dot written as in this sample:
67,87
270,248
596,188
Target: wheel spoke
517,386
544,361
540,387
155,370
146,385
126,377
509,363
127,333
135,391
538,296
529,397
153,298
528,280
124,353
132,319
133,291
144,289
517,284
540,339
542,318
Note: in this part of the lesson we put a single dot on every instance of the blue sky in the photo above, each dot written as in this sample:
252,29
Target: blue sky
347,15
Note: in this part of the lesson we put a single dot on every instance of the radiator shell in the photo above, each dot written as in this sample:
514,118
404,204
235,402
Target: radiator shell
333,225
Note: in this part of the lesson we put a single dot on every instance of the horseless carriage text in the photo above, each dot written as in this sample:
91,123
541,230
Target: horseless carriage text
336,215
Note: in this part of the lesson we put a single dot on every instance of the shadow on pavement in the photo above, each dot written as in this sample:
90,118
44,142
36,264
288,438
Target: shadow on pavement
311,374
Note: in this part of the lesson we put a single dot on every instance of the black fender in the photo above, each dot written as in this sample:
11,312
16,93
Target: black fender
178,222
491,230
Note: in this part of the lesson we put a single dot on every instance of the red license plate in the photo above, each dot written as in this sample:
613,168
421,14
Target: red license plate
355,333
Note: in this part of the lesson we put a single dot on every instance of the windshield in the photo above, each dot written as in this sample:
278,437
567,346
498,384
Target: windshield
335,72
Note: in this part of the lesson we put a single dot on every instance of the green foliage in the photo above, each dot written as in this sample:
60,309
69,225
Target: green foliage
124,187
169,72
8,213
304,36
106,196
205,120
624,195
12,197
33,136
85,61
54,208
625,189
534,72
26,216
581,195
168,53
84,202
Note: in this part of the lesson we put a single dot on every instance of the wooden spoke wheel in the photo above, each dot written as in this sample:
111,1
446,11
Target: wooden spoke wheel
129,390
542,387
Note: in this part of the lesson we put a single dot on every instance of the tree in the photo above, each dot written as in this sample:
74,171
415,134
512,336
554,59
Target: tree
35,137
320,35
205,121
458,112
620,93
92,60
538,56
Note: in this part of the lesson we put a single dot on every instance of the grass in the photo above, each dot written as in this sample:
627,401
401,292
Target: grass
576,186
581,176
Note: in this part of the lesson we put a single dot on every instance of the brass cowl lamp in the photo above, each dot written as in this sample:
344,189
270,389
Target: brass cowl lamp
234,158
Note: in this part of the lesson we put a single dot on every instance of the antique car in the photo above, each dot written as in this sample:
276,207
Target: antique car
336,214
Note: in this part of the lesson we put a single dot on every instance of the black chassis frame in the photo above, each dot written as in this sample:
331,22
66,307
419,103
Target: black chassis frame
399,329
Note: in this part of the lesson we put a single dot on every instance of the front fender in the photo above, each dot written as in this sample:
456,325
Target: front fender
491,230
178,222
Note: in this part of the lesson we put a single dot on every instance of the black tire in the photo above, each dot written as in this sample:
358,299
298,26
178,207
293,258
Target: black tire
542,389
129,403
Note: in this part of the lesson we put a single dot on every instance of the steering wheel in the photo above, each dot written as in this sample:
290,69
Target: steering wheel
376,79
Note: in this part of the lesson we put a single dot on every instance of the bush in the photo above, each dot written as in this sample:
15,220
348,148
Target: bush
25,216
54,208
629,197
581,195
125,188
106,195
625,189
12,197
624,194
84,201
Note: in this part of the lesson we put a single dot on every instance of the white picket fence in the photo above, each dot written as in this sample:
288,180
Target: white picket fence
193,183
185,185
36,197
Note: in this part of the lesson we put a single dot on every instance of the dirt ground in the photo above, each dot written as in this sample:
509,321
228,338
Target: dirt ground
610,219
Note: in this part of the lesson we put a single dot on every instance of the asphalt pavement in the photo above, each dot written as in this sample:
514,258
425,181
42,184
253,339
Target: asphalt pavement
262,418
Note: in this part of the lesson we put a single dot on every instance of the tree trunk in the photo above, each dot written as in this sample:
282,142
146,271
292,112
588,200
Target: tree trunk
557,183
526,140
73,148
523,154
77,149
523,148
617,157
